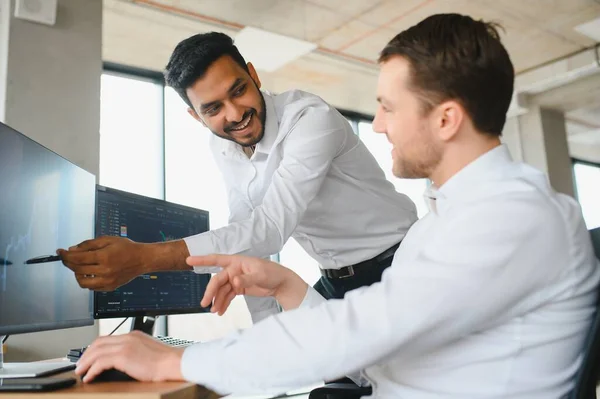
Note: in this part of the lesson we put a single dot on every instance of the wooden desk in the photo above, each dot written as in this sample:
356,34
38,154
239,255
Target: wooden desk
118,390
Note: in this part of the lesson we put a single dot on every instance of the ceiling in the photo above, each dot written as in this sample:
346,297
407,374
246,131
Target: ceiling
349,35
537,31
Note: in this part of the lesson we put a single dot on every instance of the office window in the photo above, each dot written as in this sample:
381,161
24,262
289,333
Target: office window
131,135
587,179
380,148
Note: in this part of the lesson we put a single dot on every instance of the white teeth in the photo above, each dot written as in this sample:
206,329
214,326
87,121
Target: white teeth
242,127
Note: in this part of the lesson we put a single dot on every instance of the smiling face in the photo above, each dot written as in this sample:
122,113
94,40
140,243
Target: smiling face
227,100
402,118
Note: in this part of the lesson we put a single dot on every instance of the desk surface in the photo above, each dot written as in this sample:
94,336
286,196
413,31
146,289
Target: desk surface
125,390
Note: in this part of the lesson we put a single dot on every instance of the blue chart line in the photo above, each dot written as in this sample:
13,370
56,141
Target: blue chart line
16,244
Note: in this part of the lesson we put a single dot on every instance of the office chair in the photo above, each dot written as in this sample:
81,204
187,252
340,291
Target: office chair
588,376
344,388
586,380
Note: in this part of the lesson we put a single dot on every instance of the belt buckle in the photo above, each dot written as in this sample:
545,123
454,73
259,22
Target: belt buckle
350,272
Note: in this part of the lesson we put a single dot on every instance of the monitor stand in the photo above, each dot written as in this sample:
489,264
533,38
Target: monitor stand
31,369
146,326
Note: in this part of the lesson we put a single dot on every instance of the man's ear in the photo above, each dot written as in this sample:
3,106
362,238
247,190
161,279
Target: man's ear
449,118
195,115
253,74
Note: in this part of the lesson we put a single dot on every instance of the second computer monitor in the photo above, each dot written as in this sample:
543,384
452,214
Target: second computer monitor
147,220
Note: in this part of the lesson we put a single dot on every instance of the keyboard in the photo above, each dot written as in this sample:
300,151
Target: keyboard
75,354
175,342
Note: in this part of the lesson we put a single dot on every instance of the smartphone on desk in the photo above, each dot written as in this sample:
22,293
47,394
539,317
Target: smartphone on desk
35,384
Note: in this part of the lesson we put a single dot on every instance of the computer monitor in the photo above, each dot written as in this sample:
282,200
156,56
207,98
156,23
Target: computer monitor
46,203
147,220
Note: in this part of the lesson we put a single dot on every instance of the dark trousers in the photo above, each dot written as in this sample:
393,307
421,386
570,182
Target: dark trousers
335,288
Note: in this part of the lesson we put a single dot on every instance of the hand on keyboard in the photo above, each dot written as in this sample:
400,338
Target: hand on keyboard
75,354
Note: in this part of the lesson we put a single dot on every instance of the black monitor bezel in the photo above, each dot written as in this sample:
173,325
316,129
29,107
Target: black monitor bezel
32,328
141,313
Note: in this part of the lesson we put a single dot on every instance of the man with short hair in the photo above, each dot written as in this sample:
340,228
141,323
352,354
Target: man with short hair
490,295
293,167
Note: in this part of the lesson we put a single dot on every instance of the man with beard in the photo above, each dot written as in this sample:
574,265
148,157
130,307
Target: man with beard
293,167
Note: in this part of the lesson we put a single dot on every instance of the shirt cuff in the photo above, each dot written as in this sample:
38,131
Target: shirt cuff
199,245
312,298
261,307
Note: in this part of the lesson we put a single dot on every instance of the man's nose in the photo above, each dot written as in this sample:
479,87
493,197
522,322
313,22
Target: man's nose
233,113
378,126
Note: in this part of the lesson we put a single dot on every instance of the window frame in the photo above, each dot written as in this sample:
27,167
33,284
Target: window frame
356,117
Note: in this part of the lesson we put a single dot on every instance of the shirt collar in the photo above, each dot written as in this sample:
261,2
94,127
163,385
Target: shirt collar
478,170
271,126
431,196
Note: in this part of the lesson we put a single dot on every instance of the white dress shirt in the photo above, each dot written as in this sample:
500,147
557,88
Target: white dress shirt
490,295
312,179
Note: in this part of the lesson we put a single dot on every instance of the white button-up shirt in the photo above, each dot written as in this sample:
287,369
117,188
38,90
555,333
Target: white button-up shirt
312,179
490,295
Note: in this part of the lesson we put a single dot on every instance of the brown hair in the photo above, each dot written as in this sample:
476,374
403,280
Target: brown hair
454,57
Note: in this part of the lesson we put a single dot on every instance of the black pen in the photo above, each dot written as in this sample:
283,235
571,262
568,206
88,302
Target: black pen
5,262
43,259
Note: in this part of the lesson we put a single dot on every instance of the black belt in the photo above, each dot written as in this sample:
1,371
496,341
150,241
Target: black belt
365,265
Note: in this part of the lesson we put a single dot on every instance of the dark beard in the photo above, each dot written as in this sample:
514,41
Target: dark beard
262,116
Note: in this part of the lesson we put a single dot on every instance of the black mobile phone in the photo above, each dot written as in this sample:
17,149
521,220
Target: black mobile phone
35,384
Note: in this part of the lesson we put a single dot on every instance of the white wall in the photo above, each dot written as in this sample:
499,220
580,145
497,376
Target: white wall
51,93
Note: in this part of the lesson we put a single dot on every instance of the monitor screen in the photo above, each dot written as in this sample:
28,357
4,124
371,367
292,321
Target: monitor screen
148,220
46,203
